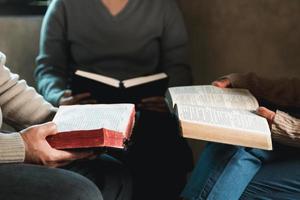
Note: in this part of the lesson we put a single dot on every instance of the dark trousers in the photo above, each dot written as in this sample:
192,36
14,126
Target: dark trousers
159,158
22,181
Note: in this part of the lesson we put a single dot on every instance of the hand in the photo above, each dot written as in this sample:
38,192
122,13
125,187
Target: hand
38,151
222,83
69,99
157,104
266,113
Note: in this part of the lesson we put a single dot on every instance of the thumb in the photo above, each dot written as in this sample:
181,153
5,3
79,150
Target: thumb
266,113
68,93
222,83
47,129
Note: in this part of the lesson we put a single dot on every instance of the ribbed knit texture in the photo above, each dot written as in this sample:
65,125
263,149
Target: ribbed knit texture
281,92
12,148
21,106
286,129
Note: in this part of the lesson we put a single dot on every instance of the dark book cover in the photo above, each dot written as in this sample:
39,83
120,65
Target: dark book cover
105,93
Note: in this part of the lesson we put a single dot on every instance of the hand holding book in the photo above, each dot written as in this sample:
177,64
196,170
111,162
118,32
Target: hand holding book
222,83
107,89
262,111
38,151
156,103
93,126
82,98
219,114
266,113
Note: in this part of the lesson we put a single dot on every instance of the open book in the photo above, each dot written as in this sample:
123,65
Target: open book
220,115
98,125
110,90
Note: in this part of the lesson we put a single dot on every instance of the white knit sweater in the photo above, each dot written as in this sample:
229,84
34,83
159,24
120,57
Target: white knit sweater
22,106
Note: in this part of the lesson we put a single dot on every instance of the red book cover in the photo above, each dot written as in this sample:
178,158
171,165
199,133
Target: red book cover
89,126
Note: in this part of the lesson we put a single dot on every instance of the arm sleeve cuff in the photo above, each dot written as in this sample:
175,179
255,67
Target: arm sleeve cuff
12,148
286,129
55,97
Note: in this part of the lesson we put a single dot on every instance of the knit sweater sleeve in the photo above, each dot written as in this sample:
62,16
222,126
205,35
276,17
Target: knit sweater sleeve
52,61
282,92
12,148
21,106
174,46
286,129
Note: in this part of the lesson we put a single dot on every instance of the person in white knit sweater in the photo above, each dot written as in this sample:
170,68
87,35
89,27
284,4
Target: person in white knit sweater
28,164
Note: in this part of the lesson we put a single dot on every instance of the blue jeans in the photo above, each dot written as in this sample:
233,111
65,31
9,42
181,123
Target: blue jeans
231,172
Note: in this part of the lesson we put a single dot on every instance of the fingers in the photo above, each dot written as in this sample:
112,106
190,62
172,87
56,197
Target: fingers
266,113
47,129
65,156
223,83
79,97
153,99
67,93
158,107
89,101
59,164
76,99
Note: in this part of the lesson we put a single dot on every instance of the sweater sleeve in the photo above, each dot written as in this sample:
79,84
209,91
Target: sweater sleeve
286,129
174,46
52,61
281,92
12,149
21,106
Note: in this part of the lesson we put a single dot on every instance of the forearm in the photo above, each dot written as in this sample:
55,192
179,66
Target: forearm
286,129
20,103
281,92
179,75
51,73
50,85
174,47
12,149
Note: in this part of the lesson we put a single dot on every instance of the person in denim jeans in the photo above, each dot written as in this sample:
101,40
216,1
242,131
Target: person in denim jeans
233,172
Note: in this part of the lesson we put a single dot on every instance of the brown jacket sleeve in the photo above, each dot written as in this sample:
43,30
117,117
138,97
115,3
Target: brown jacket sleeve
282,92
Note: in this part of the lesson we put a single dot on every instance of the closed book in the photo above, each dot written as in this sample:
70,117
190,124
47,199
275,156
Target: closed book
109,90
93,126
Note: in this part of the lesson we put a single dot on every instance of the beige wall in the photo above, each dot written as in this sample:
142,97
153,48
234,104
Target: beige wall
243,35
19,38
225,36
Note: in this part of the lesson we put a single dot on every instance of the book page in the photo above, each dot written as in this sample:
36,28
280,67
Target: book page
143,79
213,97
100,78
222,117
89,117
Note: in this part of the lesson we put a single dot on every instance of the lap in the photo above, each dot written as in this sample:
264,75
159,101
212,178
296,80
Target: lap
264,174
22,181
109,174
158,156
277,179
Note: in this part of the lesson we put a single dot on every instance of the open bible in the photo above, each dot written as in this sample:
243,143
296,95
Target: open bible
221,115
110,90
90,126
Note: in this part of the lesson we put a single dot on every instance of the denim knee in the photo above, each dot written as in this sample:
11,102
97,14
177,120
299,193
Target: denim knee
79,187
